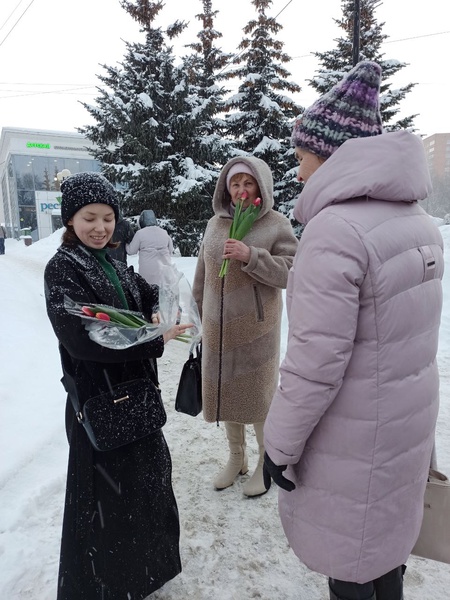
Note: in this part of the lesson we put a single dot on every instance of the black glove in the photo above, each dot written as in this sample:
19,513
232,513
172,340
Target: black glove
273,471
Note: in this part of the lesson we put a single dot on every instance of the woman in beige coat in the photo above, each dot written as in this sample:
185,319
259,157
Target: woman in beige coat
241,313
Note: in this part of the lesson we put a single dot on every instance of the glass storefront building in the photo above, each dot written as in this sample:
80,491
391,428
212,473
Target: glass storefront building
30,190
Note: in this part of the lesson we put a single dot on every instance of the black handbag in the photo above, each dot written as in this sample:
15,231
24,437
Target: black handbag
189,393
128,412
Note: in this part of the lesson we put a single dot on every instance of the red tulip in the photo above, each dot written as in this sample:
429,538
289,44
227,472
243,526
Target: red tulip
102,316
241,224
87,311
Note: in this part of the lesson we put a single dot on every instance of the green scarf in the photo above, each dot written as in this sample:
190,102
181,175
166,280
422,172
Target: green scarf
110,273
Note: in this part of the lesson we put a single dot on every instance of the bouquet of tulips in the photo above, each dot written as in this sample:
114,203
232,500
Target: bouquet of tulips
242,223
113,327
119,328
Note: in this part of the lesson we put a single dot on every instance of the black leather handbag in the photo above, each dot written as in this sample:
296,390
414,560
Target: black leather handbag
128,412
189,393
125,413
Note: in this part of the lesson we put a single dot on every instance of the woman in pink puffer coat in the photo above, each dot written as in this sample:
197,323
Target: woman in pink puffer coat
355,412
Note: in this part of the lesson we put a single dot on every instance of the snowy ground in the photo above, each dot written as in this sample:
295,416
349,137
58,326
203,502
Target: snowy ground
233,547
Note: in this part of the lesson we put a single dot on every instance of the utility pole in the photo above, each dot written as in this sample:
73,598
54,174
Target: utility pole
356,28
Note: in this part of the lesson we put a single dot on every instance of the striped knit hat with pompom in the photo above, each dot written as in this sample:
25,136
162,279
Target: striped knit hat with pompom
351,109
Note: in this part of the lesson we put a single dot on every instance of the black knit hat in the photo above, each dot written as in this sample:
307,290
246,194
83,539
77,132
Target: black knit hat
82,189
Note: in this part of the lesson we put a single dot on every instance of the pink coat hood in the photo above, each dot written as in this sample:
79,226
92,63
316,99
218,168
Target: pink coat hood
397,171
355,411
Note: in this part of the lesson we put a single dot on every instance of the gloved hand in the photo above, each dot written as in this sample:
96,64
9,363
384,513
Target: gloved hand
273,471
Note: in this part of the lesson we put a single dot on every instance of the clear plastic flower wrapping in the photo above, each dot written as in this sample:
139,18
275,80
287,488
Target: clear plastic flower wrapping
128,328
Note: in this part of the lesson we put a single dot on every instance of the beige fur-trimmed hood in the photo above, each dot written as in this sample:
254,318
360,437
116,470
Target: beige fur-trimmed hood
263,175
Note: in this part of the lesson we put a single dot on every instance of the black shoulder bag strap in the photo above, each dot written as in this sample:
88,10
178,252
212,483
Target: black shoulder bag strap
68,379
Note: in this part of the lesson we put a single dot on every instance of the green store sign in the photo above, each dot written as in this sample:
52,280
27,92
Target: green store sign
38,145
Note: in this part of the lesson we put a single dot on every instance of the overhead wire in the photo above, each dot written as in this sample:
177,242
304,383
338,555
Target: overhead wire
16,23
11,14
39,83
72,89
415,37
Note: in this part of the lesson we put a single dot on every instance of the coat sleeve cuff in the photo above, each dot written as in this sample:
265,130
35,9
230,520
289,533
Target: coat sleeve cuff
251,265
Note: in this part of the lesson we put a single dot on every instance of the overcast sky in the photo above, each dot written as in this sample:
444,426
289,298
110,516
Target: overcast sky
51,52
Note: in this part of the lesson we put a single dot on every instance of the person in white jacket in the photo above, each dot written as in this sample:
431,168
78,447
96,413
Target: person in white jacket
153,245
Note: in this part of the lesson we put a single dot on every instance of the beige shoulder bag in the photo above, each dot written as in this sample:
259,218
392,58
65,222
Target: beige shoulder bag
434,537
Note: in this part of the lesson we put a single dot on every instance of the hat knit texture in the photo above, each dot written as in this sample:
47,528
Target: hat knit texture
351,109
238,167
82,189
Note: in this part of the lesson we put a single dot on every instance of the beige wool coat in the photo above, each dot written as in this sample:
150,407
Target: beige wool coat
241,313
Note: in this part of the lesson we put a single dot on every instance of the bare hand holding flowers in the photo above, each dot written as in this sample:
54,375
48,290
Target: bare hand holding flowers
236,250
242,223
178,332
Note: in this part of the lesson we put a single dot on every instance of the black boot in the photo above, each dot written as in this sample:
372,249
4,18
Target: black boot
390,586
345,590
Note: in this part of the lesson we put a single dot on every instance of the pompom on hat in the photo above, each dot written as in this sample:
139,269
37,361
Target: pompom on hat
82,189
351,109
238,167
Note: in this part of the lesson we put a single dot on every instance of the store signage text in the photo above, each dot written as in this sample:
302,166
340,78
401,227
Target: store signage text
38,145
51,205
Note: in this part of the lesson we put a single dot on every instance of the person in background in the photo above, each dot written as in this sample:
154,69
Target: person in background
123,234
120,536
154,247
241,313
350,431
2,238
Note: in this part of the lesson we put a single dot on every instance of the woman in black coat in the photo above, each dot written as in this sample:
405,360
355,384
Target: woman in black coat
120,537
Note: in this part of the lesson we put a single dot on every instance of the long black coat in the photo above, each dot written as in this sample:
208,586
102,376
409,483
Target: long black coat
120,536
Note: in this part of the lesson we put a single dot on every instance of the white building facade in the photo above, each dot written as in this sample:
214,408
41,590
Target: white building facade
30,160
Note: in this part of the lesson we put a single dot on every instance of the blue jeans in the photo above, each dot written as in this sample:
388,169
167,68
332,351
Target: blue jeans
2,245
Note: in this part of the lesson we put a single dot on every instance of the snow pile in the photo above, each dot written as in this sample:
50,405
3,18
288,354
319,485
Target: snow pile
233,547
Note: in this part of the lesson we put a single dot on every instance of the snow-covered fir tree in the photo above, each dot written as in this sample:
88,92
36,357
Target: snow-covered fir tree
204,68
199,76
336,62
145,129
131,129
261,114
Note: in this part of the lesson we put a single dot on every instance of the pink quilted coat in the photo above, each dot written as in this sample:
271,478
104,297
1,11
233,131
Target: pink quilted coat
355,412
